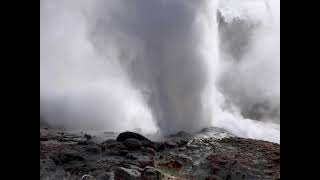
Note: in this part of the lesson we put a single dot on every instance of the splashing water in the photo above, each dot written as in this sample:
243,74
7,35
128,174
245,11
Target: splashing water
160,65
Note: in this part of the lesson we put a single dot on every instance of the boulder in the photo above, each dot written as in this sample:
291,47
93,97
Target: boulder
127,135
66,156
121,173
112,146
93,149
132,144
170,144
150,173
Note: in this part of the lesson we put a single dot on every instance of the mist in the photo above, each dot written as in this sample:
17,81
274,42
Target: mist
160,66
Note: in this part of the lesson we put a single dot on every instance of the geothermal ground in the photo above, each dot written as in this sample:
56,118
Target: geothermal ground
210,154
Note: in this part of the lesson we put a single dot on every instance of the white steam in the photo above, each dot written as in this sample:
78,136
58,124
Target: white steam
155,65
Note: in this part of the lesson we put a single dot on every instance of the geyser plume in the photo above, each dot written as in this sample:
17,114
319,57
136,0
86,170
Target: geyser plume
154,65
155,47
159,45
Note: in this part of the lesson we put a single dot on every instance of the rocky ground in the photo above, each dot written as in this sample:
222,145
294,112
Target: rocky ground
213,154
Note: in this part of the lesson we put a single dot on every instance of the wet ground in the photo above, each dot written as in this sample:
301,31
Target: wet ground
212,153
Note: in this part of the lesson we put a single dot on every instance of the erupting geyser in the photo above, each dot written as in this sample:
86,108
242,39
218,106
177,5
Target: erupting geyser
162,65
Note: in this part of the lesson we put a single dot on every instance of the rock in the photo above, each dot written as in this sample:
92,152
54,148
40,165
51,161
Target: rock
105,176
121,173
131,164
170,144
173,164
87,136
127,135
150,173
213,177
47,165
193,147
182,142
87,177
84,143
112,146
123,152
150,151
143,160
132,144
93,149
66,156
161,147
184,158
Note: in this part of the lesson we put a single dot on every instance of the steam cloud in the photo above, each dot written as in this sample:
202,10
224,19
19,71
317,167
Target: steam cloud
155,65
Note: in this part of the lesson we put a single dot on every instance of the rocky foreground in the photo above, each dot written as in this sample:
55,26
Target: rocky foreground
132,156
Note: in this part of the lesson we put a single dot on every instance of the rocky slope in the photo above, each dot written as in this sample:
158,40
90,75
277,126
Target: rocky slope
212,154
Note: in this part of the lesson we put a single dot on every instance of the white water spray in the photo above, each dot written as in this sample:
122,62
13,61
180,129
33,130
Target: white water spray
154,65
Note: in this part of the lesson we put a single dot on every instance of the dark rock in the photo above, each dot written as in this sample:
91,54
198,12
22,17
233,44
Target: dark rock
173,164
127,135
182,142
170,144
93,149
87,136
121,173
112,145
150,151
66,156
123,152
193,147
44,139
132,144
142,160
85,143
131,164
149,144
161,147
150,173
105,176
213,177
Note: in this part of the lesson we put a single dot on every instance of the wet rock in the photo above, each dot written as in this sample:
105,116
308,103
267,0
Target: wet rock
150,151
235,158
193,147
66,156
105,176
123,152
150,173
85,143
173,164
121,173
127,135
143,160
213,177
87,177
182,142
93,149
47,165
112,147
131,164
184,158
160,147
170,144
132,144
87,136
